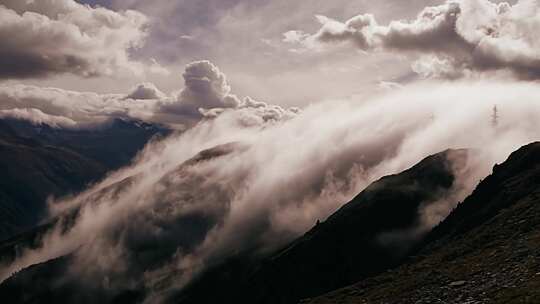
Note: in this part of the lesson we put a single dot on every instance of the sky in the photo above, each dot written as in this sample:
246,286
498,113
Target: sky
269,49
246,40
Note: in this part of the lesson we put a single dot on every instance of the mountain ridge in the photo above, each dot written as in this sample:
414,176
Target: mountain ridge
485,251
38,161
327,256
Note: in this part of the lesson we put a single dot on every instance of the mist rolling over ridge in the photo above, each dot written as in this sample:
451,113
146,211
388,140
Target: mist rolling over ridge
229,151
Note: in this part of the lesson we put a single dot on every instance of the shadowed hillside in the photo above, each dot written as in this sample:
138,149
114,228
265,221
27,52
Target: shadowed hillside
52,280
38,161
353,236
373,232
486,251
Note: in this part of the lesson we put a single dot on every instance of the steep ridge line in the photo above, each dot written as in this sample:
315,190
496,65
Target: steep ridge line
486,251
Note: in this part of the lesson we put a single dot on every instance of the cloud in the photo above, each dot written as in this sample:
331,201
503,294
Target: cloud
63,36
146,90
187,37
37,117
459,35
85,109
206,95
176,211
388,85
157,68
294,36
205,88
432,66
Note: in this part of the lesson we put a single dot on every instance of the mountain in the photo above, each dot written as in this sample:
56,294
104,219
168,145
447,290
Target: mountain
112,144
373,232
52,282
38,161
486,251
359,224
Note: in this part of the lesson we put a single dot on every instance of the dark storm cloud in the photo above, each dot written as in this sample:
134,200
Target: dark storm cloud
53,37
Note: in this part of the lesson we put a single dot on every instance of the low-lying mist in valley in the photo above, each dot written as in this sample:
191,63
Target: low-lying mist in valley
258,185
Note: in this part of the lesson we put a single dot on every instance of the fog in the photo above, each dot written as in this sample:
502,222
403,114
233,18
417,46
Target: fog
170,215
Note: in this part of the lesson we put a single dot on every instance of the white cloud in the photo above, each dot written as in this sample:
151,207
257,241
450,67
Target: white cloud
84,108
389,85
206,94
63,36
146,90
476,35
37,117
431,66
294,36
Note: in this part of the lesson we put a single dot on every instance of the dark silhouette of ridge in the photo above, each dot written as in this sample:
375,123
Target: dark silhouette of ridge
38,161
485,251
51,280
347,247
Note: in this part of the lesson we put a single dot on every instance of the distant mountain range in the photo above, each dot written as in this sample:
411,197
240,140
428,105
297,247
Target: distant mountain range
39,161
375,249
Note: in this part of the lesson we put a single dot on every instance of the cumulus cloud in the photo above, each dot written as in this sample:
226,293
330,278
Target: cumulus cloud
206,95
206,87
62,36
176,211
474,35
146,90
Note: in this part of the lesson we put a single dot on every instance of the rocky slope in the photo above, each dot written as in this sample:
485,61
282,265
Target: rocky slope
486,251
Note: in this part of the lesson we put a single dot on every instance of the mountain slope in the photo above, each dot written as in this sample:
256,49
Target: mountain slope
486,251
373,232
113,144
406,193
39,161
52,281
31,172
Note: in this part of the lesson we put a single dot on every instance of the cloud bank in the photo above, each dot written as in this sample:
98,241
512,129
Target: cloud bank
45,37
455,38
206,95
176,211
37,117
